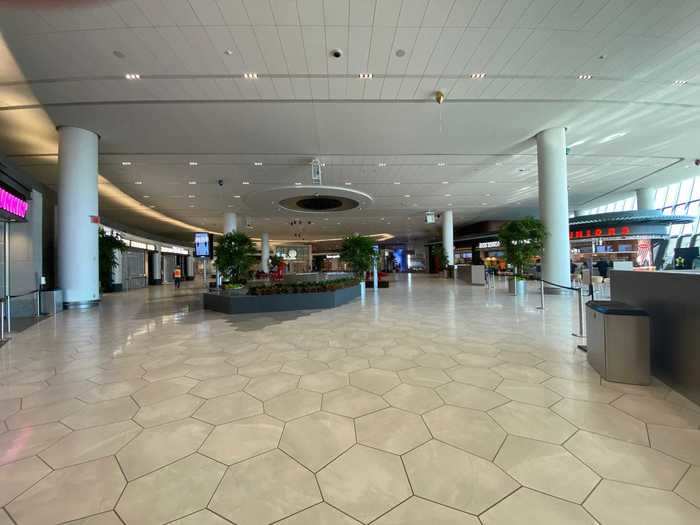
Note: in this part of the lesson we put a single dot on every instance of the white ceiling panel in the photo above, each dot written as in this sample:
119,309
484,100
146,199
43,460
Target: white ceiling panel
412,13
234,12
285,12
207,12
336,12
293,48
359,41
386,13
259,12
315,48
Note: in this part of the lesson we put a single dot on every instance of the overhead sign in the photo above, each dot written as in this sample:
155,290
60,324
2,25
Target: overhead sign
489,244
13,204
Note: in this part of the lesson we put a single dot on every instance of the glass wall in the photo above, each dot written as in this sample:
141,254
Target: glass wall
679,198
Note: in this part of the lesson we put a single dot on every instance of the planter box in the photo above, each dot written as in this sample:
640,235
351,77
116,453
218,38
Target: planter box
381,284
249,304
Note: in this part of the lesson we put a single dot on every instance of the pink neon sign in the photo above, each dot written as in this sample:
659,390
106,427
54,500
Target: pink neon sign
13,204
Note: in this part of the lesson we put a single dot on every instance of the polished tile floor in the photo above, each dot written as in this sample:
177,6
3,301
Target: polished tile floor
431,402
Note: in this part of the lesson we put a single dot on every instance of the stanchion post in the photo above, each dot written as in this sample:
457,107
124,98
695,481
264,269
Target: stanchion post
580,314
2,320
541,307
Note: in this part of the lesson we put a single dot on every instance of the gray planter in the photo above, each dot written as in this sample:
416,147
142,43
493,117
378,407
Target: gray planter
248,304
517,286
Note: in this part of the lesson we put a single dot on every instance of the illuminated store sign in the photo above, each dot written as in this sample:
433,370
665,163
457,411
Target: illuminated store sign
489,244
599,232
13,204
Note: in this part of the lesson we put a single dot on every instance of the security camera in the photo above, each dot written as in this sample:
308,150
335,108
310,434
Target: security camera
220,182
337,53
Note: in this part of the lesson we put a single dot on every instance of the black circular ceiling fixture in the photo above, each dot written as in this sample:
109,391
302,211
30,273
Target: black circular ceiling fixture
319,203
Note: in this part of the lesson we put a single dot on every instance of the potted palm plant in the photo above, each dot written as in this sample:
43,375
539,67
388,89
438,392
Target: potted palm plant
358,252
235,254
108,246
522,240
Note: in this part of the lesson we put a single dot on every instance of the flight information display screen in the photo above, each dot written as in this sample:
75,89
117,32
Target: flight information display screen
203,245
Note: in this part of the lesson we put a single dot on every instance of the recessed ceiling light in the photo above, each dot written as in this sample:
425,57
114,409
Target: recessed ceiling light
132,76
484,204
257,163
407,196
191,196
477,76
400,53
612,137
191,206
118,54
441,164
487,195
492,182
445,182
151,205
365,75
348,183
585,76
448,195
228,52
236,196
230,206
126,163
382,164
245,182
297,183
397,183
250,76
138,182
680,82
193,163
192,182
449,204
146,196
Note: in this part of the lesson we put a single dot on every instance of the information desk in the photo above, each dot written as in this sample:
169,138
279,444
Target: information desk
672,301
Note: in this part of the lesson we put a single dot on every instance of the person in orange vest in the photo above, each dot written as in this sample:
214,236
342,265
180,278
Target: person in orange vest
177,276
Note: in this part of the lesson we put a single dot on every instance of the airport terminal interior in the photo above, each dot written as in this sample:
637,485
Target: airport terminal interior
343,262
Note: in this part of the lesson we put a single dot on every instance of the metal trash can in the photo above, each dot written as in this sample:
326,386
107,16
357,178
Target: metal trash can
618,342
51,302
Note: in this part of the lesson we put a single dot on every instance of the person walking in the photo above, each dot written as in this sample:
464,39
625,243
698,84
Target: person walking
177,276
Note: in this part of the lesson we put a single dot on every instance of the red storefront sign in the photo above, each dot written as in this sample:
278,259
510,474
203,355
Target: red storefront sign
599,232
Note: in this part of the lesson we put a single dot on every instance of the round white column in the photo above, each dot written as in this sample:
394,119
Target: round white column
646,198
448,243
265,252
78,268
230,222
554,205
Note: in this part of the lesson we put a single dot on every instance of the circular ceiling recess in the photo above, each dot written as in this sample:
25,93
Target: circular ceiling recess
310,199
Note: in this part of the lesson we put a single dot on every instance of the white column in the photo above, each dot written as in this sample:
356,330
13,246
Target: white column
646,198
78,273
554,205
265,252
448,243
230,222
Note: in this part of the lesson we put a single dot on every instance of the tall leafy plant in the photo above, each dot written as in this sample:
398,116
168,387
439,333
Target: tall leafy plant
235,255
358,252
108,247
522,240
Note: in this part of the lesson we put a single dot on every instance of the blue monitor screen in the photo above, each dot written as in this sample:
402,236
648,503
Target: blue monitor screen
202,245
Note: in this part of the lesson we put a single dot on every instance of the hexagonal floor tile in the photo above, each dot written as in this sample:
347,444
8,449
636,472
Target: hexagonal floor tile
316,440
470,430
528,506
393,430
90,443
172,492
417,511
169,410
19,444
220,386
17,477
455,478
615,503
293,404
435,361
528,393
689,487
658,412
581,390
158,446
302,367
70,493
211,371
44,414
522,373
349,364
469,396
102,413
321,514
374,380
265,489
533,422
269,386
423,376
112,390
324,381
203,517
364,483
162,390
107,518
418,399
352,402
602,419
547,468
229,408
259,369
682,443
475,376
242,439
622,461
391,363
477,360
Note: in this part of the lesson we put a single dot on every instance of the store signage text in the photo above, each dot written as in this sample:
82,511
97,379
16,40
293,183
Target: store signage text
489,244
13,204
599,232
